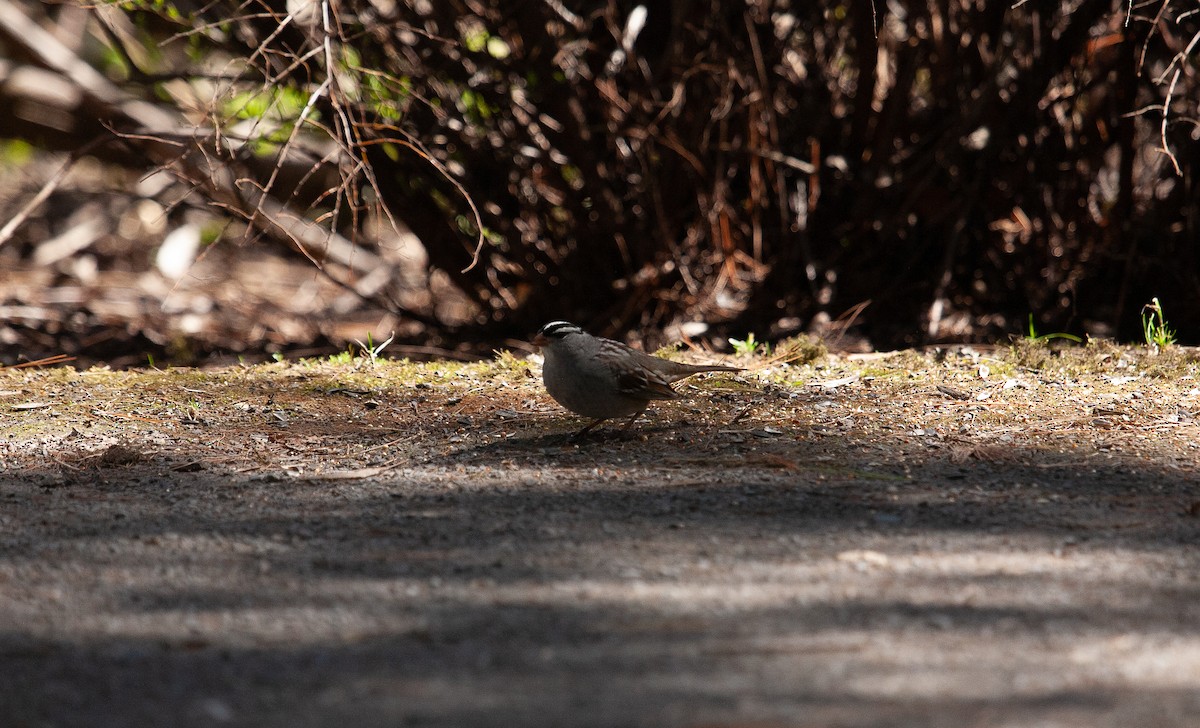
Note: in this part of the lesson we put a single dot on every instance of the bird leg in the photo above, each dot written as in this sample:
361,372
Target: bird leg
584,431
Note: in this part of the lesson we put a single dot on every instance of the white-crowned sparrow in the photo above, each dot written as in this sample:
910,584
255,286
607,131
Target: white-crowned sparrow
602,378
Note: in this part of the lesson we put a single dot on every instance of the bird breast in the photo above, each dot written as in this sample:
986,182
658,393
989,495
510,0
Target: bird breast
587,387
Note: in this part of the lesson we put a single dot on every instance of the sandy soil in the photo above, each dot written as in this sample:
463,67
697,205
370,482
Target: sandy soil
844,545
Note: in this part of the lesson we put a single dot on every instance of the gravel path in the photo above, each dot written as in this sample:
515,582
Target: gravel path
776,572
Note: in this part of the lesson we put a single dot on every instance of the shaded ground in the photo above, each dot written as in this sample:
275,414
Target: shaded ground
979,540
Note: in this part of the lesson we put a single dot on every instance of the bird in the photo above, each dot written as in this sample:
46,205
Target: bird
602,379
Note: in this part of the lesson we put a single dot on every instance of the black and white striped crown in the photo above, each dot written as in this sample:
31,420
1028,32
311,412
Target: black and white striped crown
559,329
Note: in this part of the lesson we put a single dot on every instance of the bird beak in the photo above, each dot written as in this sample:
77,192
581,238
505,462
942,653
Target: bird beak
540,340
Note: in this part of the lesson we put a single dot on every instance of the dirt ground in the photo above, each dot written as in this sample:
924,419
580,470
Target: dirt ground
971,538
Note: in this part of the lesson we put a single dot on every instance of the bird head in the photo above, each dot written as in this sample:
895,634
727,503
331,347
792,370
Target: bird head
555,331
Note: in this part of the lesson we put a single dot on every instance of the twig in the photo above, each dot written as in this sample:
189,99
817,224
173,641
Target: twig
47,189
1165,117
441,169
568,16
45,362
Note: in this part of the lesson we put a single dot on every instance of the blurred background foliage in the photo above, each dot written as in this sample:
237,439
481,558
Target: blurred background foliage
883,175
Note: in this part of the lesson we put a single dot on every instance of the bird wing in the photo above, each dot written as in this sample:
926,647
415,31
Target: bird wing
640,383
653,376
